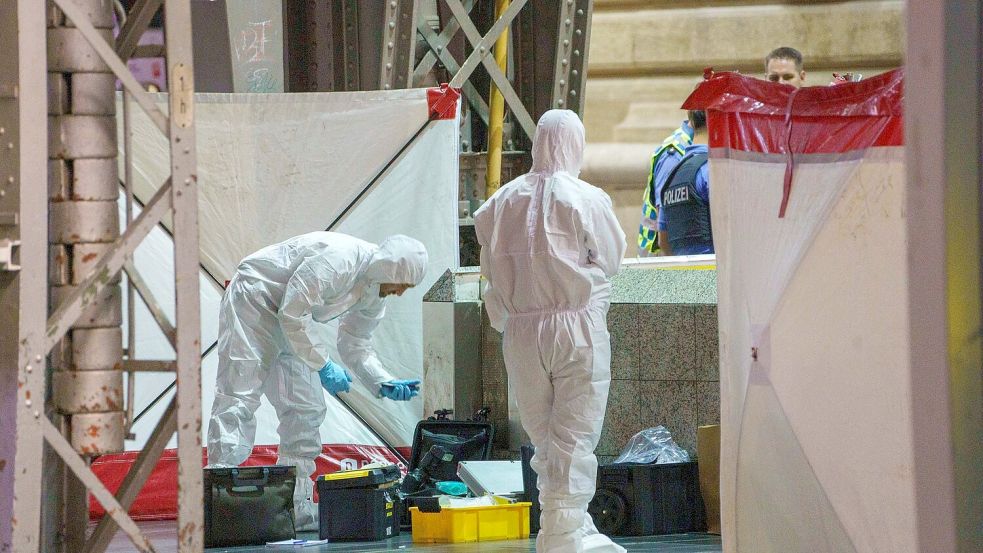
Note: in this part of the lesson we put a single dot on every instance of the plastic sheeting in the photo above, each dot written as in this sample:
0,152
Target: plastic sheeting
274,166
807,195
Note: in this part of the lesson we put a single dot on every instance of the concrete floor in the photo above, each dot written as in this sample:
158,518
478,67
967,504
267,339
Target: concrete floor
163,535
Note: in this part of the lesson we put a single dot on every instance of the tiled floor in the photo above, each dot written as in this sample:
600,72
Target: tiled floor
164,537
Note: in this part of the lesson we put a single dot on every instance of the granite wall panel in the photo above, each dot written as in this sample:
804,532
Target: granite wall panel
672,404
667,342
625,334
622,418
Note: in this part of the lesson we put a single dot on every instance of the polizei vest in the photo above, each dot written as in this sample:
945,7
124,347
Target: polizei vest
687,215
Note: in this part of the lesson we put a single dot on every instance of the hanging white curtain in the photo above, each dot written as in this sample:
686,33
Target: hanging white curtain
807,204
272,166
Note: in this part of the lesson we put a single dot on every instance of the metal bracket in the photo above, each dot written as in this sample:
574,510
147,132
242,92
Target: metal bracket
136,477
108,265
7,255
482,47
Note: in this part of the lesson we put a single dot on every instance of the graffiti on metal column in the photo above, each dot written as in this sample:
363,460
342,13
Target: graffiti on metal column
256,37
251,45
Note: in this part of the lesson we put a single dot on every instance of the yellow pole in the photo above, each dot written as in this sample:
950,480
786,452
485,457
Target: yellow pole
496,109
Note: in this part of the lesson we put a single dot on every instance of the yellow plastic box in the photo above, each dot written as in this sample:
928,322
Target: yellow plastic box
505,521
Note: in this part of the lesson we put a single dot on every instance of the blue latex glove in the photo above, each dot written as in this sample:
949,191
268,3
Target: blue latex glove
400,390
334,378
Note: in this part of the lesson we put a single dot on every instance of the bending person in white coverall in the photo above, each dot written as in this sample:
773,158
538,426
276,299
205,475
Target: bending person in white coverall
549,245
268,343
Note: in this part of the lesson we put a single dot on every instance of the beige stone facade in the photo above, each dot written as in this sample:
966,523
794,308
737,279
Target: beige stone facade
646,56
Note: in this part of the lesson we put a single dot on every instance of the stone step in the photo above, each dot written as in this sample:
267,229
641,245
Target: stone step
649,122
609,100
662,41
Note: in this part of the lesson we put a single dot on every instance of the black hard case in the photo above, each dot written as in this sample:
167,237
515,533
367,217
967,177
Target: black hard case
648,499
464,430
422,443
358,514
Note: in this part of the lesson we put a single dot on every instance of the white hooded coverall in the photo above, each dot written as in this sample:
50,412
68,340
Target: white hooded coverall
549,245
268,341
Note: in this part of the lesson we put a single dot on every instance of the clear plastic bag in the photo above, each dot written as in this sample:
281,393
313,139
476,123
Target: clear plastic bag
652,445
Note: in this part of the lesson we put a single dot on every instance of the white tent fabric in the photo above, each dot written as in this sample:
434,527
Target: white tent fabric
272,166
816,440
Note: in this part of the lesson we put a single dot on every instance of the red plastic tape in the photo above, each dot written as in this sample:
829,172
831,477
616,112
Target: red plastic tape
442,101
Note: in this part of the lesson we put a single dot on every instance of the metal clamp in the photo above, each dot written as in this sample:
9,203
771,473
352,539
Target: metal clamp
7,255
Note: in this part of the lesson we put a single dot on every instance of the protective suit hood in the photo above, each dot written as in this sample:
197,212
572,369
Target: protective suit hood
399,260
559,143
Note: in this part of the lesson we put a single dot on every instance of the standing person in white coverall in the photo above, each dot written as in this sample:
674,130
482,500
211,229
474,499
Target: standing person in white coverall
268,343
549,245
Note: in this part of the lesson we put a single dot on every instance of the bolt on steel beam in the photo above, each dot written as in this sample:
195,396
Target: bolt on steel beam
572,40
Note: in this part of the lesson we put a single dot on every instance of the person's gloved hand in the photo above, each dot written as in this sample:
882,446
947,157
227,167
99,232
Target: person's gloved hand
334,378
400,390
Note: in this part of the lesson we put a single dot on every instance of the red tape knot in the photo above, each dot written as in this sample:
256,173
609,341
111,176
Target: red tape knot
442,101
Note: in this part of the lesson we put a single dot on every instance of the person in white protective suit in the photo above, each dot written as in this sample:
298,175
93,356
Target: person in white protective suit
268,343
549,245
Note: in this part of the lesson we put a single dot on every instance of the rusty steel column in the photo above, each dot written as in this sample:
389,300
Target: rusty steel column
23,258
87,380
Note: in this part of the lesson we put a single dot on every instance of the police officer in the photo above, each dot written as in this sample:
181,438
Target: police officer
664,158
684,219
784,65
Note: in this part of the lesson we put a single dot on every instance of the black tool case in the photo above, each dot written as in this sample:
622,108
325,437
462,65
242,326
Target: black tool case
249,505
648,499
359,505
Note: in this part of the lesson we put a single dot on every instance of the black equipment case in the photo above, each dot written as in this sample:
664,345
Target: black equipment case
469,440
249,505
359,505
465,440
648,499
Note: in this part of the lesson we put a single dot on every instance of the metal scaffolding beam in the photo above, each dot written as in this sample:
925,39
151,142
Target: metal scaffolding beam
136,478
184,178
23,287
480,54
136,23
29,335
